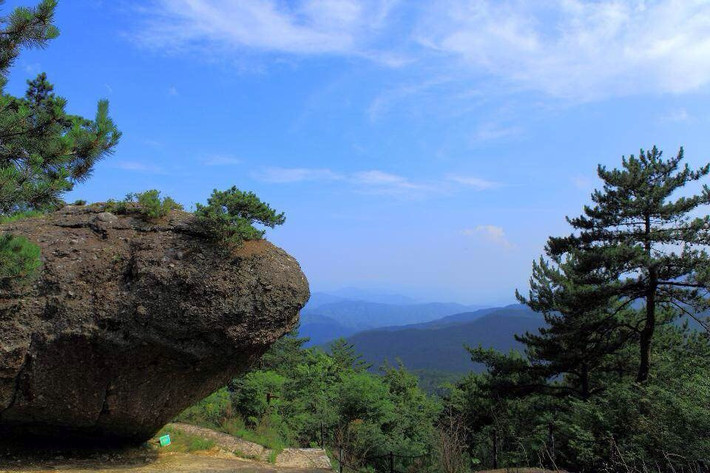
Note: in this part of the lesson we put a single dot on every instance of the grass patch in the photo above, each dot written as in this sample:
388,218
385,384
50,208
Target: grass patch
272,456
183,442
20,216
263,436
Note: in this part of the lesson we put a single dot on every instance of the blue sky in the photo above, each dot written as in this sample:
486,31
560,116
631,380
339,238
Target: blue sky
425,148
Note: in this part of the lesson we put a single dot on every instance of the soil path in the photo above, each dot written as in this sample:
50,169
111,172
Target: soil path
177,462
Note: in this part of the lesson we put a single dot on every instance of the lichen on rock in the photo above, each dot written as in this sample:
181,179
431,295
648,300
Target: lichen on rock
129,322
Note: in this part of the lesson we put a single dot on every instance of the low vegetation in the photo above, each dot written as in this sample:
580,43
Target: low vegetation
302,397
19,260
184,442
230,215
147,205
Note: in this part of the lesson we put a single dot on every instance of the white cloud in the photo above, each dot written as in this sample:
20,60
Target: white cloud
578,49
384,101
491,234
574,49
379,178
676,116
494,131
374,181
281,175
221,160
474,182
137,167
345,27
379,182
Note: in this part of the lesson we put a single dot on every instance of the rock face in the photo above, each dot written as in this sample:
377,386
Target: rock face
128,322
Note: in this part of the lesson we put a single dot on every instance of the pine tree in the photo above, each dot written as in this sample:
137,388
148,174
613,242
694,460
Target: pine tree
580,341
346,357
43,150
637,259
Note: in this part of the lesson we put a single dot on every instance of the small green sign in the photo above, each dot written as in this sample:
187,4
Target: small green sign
164,440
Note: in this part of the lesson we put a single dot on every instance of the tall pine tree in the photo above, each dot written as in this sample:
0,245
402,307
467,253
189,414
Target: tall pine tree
583,339
636,259
43,150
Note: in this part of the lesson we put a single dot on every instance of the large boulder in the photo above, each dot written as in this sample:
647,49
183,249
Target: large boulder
128,322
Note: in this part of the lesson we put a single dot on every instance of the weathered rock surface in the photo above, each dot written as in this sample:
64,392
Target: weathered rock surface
130,322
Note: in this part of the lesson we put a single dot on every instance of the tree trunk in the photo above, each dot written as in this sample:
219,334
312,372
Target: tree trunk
585,381
646,337
650,326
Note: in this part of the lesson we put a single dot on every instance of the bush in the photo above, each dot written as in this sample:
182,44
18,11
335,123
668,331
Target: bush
230,216
152,206
211,412
147,205
19,259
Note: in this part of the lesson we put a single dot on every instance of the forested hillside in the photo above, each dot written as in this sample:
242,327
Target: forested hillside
440,345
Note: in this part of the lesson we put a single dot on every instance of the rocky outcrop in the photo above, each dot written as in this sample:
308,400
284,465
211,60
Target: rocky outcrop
129,322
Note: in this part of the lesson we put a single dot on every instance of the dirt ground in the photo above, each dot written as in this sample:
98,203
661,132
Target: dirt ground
144,462
150,459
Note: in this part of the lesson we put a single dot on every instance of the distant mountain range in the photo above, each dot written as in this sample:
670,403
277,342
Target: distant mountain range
439,345
329,316
428,338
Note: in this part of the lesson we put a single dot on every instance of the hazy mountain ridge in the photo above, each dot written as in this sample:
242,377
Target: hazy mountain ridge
328,316
439,345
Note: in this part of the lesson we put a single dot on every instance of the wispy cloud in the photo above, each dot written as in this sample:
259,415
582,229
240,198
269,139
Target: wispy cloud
572,49
380,178
577,49
379,182
494,131
678,115
281,175
221,160
387,99
490,233
474,182
137,166
344,27
375,181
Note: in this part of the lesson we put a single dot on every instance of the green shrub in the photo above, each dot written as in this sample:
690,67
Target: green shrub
147,205
116,206
19,259
211,412
230,216
151,205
